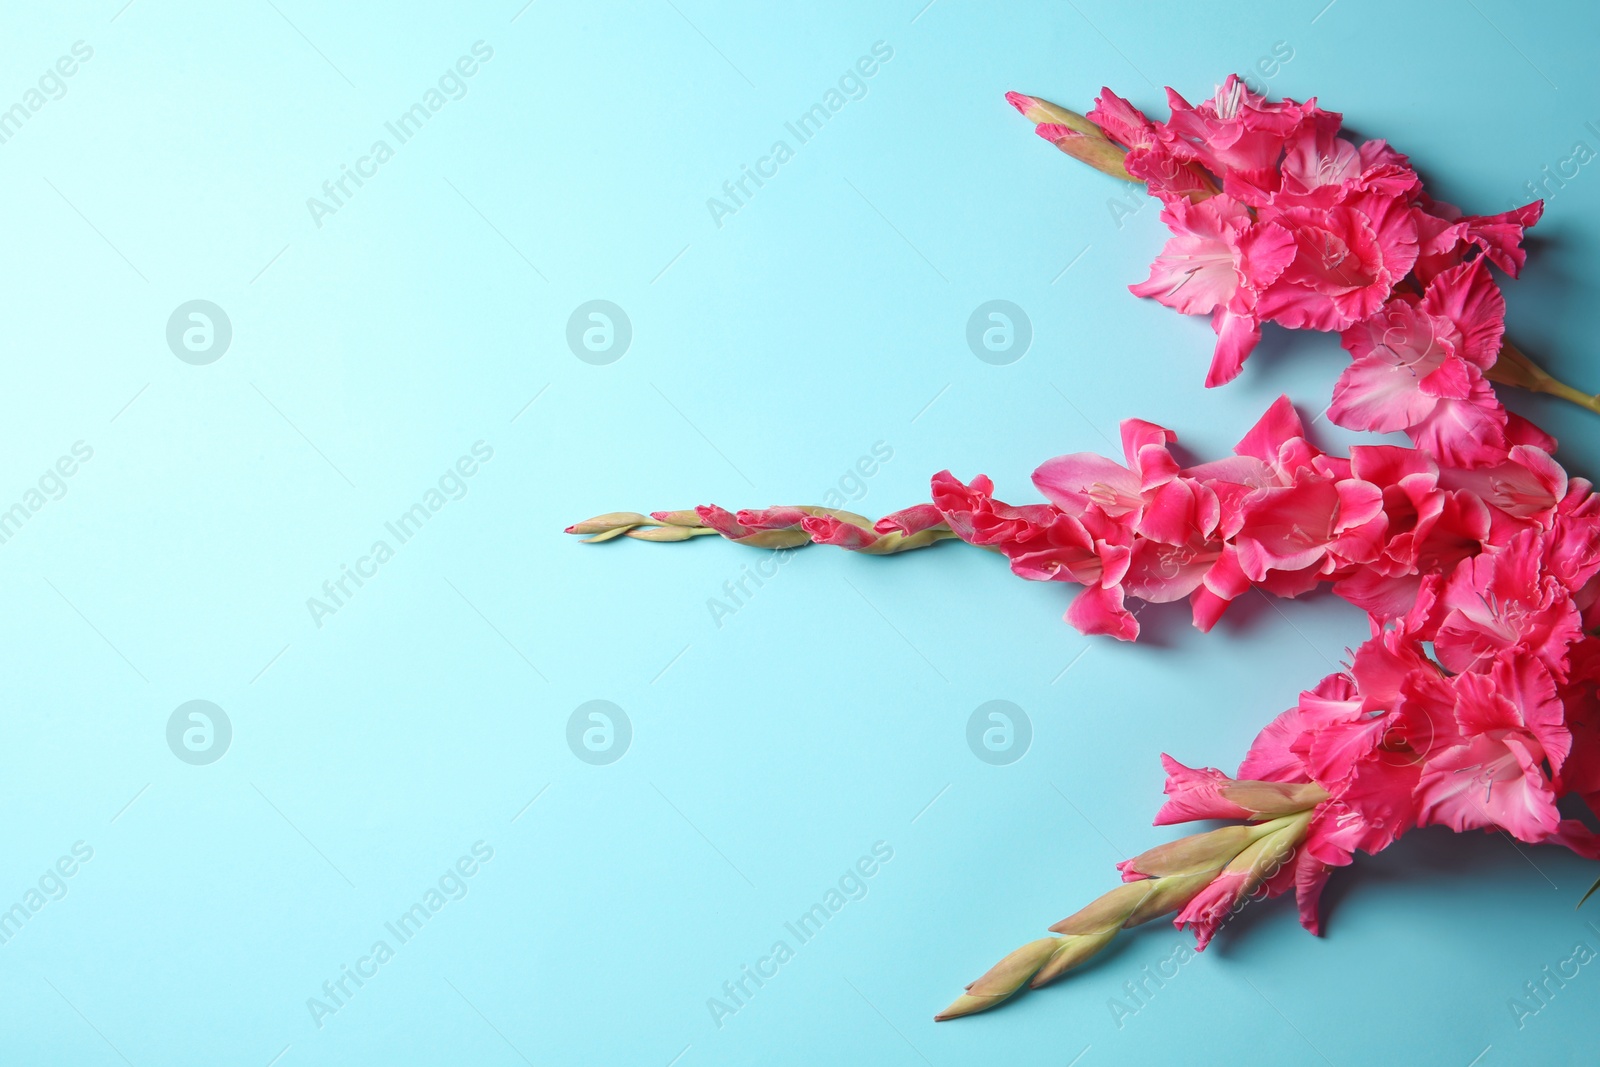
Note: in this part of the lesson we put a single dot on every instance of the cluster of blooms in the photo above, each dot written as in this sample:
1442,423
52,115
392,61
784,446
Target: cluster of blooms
1277,218
1280,515
1473,705
1487,732
1475,556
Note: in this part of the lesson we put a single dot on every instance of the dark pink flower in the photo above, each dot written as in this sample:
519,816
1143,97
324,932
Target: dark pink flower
1510,722
1348,259
978,518
1238,135
1155,155
1418,366
1503,603
1315,522
1450,238
1217,263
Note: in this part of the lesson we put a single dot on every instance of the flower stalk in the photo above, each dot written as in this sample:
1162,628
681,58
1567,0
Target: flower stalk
1230,863
776,527
1079,137
1513,367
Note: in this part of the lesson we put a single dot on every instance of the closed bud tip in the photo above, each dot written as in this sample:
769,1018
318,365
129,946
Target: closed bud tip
610,521
1095,150
1039,111
1002,980
678,518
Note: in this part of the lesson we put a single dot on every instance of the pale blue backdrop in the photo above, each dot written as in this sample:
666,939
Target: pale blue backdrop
411,733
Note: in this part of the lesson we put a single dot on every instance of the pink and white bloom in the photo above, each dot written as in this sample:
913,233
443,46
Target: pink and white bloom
1217,263
1418,366
1347,261
1510,723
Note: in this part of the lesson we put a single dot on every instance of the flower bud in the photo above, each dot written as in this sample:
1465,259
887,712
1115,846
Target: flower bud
1273,798
1098,152
612,522
678,518
1109,911
1071,951
1168,895
666,533
791,538
1190,855
1003,979
1040,111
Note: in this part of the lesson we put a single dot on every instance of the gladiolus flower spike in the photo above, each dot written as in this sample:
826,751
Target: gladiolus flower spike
1474,554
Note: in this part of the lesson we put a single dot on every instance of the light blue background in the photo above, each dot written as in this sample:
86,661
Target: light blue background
768,355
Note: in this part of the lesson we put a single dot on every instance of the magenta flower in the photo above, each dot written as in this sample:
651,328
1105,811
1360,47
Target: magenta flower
1510,723
1237,135
1500,604
1418,366
1348,259
1218,263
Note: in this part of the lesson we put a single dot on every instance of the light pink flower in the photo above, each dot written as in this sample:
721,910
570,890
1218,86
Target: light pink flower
1510,722
1238,135
1502,604
1217,263
1418,366
1348,259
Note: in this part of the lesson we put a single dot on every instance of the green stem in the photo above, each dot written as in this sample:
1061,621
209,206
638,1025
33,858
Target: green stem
1513,367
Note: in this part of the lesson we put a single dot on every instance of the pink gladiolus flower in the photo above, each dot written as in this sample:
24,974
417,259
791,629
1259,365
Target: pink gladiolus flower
1150,496
1500,603
1510,722
1196,793
1450,237
1238,135
1208,910
1276,217
1155,155
979,519
1218,264
1321,169
1316,522
1347,261
1419,367
1527,487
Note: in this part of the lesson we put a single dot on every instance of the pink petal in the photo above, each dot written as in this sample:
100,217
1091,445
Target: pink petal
1074,483
1099,610
1469,298
1237,337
